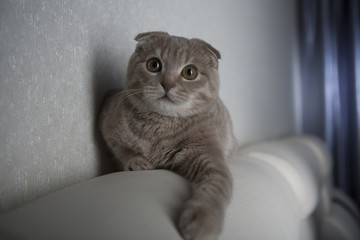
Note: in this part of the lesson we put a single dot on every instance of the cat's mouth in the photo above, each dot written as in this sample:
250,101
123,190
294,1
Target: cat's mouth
166,98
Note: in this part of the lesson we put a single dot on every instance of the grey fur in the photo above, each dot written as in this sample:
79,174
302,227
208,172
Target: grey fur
185,129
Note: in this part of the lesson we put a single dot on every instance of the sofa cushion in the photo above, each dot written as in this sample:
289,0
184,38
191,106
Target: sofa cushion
304,163
263,205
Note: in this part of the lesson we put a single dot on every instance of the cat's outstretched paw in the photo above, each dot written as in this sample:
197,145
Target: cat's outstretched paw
137,164
200,221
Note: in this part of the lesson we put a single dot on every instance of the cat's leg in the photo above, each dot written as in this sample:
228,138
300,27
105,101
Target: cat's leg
132,161
203,214
137,163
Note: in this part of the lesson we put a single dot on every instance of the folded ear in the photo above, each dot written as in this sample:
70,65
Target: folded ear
215,52
142,36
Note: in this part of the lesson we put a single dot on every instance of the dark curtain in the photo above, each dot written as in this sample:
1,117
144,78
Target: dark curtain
329,42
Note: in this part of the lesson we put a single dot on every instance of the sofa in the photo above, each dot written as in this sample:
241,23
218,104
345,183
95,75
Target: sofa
282,190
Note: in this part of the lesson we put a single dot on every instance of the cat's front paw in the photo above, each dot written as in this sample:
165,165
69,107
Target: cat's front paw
200,221
137,164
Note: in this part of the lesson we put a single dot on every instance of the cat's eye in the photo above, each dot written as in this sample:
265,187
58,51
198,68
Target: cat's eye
154,65
189,72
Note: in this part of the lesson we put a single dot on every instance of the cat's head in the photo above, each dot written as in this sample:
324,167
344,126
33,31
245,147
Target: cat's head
173,76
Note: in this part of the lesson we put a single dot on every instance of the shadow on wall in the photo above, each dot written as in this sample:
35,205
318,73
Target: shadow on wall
108,73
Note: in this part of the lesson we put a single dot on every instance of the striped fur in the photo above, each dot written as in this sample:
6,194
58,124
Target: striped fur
189,133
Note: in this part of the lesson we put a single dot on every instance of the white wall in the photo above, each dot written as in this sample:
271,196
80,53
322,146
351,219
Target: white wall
57,58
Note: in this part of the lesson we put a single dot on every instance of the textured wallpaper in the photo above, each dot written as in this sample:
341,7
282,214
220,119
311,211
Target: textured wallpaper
58,58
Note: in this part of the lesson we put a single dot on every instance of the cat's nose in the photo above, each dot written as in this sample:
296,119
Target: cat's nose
167,86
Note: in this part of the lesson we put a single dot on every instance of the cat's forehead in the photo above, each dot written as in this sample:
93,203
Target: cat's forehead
173,47
176,48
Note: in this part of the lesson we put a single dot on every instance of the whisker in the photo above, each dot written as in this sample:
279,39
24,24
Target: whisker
141,101
182,94
127,95
129,90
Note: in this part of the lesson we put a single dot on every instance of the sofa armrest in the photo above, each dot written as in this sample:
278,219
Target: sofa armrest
123,205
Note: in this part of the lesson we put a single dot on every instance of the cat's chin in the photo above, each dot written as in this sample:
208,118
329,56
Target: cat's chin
167,107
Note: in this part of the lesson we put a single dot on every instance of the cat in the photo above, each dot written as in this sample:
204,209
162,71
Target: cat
170,116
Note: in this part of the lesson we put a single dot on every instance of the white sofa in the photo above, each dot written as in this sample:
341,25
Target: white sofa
282,191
